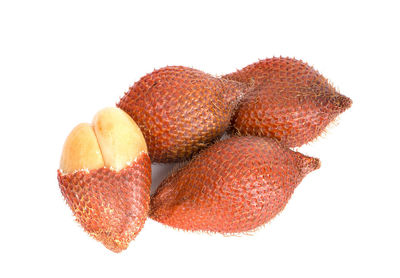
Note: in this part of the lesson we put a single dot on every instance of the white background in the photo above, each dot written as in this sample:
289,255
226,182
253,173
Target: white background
60,62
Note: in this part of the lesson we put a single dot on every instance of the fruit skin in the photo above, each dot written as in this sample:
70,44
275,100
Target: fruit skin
280,70
105,177
291,115
234,186
289,101
111,206
181,110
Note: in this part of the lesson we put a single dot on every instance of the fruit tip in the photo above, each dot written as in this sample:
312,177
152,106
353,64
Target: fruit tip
337,103
310,164
346,102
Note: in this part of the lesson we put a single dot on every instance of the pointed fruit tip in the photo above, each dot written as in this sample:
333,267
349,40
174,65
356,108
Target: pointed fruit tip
310,164
340,103
344,102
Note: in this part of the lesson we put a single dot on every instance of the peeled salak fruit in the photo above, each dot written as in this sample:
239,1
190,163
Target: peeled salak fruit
289,101
105,177
181,110
235,185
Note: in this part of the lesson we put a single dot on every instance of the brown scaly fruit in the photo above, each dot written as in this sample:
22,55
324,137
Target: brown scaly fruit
181,110
234,186
105,177
289,101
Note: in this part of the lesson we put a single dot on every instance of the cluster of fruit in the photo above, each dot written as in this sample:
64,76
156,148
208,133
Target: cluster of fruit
179,114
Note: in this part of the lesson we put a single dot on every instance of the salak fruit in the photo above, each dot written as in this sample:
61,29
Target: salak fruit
105,177
181,110
235,185
289,101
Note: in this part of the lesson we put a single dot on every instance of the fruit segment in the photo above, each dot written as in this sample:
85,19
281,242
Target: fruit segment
119,137
289,101
81,150
105,178
181,110
234,186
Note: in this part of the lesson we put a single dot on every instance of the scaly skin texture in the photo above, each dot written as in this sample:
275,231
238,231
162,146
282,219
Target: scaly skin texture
111,206
285,71
292,115
234,186
181,110
289,101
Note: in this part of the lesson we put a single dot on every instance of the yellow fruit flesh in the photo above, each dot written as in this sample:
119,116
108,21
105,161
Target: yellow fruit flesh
81,150
113,140
120,139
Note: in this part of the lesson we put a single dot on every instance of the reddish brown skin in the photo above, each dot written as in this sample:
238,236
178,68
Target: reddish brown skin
111,206
289,101
234,186
286,71
181,110
292,115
